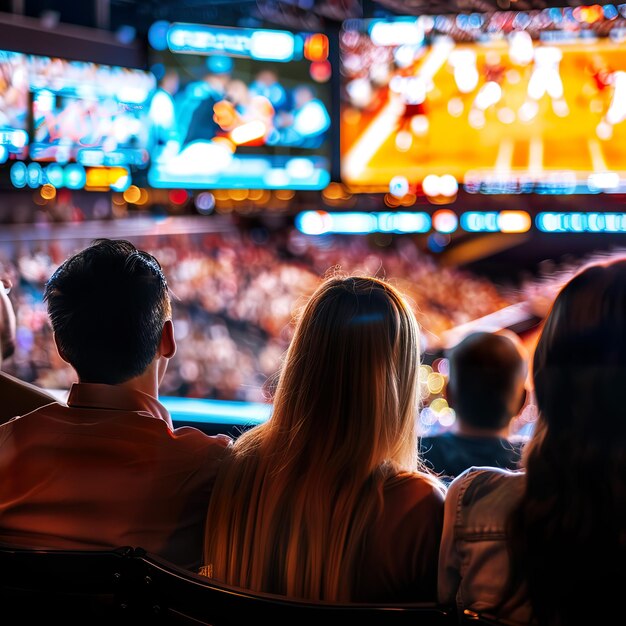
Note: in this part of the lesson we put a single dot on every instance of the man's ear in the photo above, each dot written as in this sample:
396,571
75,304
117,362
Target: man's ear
449,394
59,349
523,399
167,345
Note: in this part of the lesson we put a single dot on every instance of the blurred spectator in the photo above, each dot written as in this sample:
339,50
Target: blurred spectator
547,545
17,398
234,301
194,115
162,111
486,386
306,123
7,321
266,83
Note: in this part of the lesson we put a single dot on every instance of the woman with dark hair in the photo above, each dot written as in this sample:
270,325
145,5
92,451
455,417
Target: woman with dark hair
324,501
547,545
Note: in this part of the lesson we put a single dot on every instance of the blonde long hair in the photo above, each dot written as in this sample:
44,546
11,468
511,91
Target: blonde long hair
291,509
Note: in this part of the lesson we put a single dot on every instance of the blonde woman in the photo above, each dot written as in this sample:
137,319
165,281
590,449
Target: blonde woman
325,501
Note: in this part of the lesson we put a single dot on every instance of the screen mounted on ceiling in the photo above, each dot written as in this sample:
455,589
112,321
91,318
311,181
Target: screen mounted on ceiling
239,107
13,106
88,113
72,124
508,102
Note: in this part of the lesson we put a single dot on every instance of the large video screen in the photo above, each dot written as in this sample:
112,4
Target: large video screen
240,108
72,124
96,115
508,102
13,106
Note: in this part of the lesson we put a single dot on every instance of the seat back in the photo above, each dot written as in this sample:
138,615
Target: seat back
71,586
130,587
177,596
473,618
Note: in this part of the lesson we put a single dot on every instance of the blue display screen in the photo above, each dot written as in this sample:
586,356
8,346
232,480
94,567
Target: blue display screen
95,115
70,116
13,106
239,107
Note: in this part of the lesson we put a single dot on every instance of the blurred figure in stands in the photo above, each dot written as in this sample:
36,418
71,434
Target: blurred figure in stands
486,388
267,84
306,124
16,397
108,469
325,501
548,545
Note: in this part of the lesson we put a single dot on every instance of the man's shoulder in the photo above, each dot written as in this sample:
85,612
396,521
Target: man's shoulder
21,418
195,434
134,425
194,437
454,440
438,439
20,398
201,453
16,385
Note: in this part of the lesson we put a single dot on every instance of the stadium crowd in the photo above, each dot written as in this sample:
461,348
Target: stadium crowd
235,295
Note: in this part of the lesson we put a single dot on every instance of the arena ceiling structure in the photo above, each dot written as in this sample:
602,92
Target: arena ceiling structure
139,14
495,253
315,13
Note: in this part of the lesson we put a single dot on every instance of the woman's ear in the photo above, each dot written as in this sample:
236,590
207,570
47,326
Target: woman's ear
167,346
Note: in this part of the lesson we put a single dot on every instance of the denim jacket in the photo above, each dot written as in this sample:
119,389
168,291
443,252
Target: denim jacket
473,559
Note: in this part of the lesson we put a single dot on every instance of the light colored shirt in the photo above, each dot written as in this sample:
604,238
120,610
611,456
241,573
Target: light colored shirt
107,470
473,560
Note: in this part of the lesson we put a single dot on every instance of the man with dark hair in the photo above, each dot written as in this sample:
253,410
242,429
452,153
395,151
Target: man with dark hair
16,396
110,310
108,469
486,388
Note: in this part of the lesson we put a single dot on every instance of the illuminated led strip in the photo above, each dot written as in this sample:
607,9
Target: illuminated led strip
577,222
360,222
266,45
216,411
496,221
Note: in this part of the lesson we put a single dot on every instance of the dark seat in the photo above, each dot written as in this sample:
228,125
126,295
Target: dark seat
180,597
472,618
68,586
129,586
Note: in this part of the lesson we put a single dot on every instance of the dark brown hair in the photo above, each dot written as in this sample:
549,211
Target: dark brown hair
568,535
107,306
